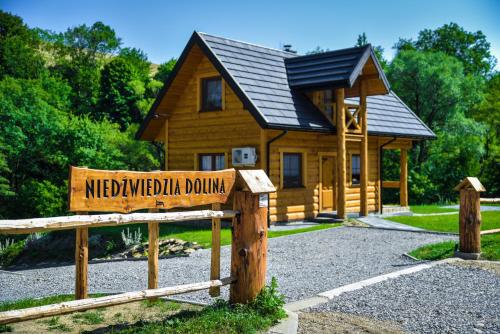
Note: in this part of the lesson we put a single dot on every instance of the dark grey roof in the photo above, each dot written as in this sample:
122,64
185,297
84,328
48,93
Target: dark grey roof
258,76
261,73
338,68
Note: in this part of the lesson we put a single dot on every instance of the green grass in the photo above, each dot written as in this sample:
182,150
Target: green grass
202,236
435,208
447,223
490,249
53,324
88,318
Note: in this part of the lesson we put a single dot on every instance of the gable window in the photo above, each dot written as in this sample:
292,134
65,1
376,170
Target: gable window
292,170
211,94
211,161
355,169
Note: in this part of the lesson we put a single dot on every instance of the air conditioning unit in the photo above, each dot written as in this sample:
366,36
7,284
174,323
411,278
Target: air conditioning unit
244,156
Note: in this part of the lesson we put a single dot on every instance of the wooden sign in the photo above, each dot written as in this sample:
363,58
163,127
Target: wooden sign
126,191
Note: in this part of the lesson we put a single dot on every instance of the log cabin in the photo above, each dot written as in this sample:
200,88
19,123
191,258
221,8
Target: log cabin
317,124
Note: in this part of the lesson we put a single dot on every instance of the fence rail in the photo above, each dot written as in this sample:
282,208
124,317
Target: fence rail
23,226
112,300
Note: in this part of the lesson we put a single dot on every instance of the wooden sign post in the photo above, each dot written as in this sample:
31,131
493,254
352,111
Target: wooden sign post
249,238
470,218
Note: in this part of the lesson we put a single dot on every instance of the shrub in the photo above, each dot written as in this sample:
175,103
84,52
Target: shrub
130,239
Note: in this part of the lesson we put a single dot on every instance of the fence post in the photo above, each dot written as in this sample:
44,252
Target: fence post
470,218
153,250
249,235
215,256
81,261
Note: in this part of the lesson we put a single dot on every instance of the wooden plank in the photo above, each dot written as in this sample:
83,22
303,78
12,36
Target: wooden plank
81,262
126,191
153,252
364,151
215,256
33,225
341,153
390,184
255,181
403,178
497,230
490,200
106,301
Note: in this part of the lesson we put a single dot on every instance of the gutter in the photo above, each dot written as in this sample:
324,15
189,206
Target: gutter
381,169
268,164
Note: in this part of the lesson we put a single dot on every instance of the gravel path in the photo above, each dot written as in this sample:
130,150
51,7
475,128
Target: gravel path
304,264
442,299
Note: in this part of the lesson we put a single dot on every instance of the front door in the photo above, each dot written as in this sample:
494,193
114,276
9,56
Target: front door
328,183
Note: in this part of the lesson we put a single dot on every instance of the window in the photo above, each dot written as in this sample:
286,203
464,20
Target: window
292,170
212,161
211,94
355,169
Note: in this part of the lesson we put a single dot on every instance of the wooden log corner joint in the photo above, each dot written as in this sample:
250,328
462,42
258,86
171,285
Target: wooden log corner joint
470,218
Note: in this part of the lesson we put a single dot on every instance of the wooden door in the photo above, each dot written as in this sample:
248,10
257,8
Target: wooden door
328,183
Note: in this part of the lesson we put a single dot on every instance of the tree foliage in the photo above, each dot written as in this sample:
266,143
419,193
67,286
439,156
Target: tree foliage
165,69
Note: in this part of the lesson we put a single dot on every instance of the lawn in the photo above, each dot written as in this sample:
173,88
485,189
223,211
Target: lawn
157,316
201,235
434,208
447,223
490,249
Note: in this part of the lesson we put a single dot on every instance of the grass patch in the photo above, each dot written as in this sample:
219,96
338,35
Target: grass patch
202,235
490,249
435,208
53,324
447,223
161,305
88,318
221,317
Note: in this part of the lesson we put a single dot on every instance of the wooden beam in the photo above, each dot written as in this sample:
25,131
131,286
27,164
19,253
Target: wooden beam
341,153
215,256
165,145
153,252
403,178
24,226
490,200
93,303
391,184
364,151
81,262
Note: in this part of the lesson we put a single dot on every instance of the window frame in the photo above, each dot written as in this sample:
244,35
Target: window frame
351,174
302,166
213,156
202,93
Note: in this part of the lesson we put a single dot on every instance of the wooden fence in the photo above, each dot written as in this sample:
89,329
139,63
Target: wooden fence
250,189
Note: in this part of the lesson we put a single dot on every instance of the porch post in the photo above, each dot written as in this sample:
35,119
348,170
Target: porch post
341,153
364,151
165,145
403,178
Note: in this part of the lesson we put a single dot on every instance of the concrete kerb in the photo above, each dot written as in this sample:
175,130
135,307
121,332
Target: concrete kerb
290,325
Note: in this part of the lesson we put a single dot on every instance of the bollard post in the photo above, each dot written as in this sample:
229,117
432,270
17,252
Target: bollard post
249,236
469,219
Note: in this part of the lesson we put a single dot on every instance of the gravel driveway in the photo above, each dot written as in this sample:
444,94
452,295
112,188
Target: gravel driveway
447,298
304,264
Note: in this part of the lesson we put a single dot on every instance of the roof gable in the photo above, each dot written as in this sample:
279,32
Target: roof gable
335,69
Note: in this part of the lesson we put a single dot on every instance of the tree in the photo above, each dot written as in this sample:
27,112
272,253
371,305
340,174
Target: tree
471,48
80,53
165,69
378,50
139,62
18,49
120,92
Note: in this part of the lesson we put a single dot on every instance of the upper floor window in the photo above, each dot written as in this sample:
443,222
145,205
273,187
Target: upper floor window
355,169
212,161
211,94
292,170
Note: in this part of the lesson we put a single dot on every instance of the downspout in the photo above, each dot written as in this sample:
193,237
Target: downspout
268,164
380,171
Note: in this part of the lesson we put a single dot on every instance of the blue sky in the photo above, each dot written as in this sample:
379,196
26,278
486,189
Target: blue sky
162,28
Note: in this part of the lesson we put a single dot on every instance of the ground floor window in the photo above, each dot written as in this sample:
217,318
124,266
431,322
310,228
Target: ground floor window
211,161
292,170
355,169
